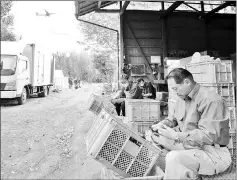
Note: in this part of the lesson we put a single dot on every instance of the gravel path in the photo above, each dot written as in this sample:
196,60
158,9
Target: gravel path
44,138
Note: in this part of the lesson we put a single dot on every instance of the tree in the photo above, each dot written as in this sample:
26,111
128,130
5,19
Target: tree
95,35
7,22
74,64
103,64
102,44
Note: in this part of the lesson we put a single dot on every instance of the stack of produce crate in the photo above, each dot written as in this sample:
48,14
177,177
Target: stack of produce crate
163,97
217,75
142,113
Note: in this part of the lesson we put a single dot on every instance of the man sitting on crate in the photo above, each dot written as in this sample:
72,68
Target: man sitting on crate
118,100
197,133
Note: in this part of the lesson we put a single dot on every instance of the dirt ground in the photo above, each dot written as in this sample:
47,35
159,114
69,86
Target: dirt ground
44,138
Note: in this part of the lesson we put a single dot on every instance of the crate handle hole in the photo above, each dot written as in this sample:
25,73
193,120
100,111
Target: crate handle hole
135,141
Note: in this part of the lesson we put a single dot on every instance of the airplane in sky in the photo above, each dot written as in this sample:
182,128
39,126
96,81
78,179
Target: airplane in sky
47,14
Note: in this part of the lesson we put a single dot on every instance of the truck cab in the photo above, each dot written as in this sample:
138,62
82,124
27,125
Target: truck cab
14,77
26,70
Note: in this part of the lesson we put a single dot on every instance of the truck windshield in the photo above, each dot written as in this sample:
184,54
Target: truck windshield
8,65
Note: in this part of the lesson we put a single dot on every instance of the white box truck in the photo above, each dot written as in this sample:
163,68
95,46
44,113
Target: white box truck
26,70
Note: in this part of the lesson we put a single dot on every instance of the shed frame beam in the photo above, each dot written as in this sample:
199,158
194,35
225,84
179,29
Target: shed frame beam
125,5
202,7
197,3
172,8
222,6
140,50
162,5
107,11
186,4
99,4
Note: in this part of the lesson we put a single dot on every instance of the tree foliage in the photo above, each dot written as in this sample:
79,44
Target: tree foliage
76,65
102,43
102,62
7,21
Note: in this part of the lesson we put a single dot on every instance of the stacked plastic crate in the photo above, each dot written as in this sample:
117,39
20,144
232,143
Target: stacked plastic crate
97,103
142,113
217,75
117,147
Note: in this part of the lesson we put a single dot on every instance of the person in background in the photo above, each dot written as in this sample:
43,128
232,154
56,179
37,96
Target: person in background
119,98
119,101
79,82
135,91
70,82
148,90
196,133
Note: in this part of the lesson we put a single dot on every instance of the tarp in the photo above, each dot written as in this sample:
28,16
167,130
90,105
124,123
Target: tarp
60,81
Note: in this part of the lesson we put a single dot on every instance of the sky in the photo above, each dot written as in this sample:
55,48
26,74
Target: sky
58,32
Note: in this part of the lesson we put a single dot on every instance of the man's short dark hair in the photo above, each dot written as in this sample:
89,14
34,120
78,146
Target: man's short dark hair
179,74
140,80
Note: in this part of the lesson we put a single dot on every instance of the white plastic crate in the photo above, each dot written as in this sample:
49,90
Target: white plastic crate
162,96
143,110
211,71
226,90
232,120
118,147
96,103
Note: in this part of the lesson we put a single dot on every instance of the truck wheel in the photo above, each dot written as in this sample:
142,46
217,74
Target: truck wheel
45,92
21,100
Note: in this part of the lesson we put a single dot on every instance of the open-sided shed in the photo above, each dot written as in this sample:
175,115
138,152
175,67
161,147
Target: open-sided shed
148,37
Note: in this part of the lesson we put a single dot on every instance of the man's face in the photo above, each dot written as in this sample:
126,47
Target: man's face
182,89
141,84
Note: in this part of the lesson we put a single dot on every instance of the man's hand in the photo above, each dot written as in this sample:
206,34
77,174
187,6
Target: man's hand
167,132
158,126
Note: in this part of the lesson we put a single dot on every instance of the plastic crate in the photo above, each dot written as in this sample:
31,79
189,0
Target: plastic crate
232,120
162,96
142,127
142,110
97,103
232,144
211,71
226,90
230,100
116,146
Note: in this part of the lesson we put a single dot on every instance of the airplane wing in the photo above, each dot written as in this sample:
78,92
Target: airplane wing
46,12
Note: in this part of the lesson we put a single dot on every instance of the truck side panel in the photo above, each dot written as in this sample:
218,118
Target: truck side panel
41,65
46,77
52,69
29,52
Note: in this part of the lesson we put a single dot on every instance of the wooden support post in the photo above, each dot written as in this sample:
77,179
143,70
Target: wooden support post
162,5
164,38
124,7
202,8
99,4
121,59
140,50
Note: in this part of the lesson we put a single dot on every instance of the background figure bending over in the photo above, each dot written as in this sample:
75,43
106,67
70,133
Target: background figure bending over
119,101
148,90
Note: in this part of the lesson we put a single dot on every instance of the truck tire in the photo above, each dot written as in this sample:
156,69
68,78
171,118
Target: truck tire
45,92
21,100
